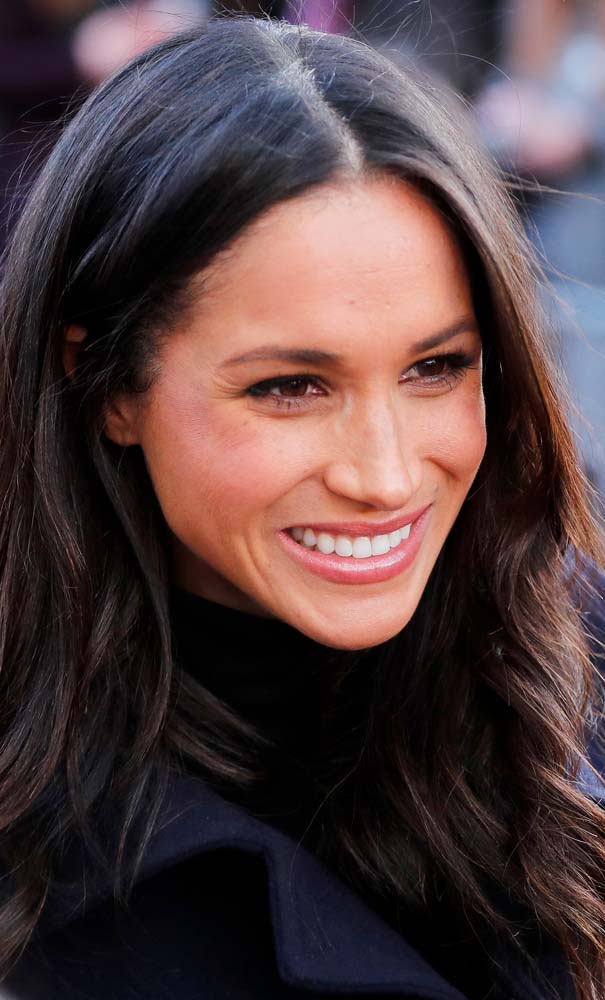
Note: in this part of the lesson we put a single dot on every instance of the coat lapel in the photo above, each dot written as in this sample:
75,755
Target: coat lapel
326,937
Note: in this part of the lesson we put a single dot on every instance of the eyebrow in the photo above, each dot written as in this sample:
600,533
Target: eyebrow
312,356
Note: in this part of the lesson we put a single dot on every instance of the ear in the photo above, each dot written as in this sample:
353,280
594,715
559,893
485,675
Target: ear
121,412
121,423
74,336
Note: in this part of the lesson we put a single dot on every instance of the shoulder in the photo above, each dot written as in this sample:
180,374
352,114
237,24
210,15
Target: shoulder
216,883
176,938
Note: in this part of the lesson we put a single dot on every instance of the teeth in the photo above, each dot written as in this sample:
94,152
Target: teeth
343,546
309,538
325,543
357,547
362,548
380,545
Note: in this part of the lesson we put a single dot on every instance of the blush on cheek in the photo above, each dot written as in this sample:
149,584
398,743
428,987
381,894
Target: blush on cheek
476,429
470,432
457,439
213,477
244,471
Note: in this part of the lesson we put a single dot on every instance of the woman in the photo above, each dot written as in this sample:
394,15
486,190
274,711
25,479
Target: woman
297,563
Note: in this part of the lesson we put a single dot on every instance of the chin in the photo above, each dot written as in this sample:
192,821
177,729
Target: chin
352,636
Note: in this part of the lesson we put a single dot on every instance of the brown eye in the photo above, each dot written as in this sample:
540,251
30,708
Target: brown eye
294,387
288,390
440,371
433,367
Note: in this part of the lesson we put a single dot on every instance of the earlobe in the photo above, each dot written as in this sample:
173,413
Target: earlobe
121,420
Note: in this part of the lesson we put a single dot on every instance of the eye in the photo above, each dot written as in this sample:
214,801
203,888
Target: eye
442,370
288,390
433,367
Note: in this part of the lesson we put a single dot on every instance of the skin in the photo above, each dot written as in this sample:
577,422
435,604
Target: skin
365,269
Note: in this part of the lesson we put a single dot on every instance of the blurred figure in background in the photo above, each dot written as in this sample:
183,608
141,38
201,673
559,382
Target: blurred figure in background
546,116
543,114
110,36
51,50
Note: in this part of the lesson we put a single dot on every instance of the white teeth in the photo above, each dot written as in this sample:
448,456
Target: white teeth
309,538
380,545
343,546
357,547
325,543
362,547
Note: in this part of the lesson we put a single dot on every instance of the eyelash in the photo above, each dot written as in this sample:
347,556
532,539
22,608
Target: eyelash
458,363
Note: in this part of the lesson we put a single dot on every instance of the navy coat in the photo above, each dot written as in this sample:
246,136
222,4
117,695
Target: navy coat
304,930
298,931
192,933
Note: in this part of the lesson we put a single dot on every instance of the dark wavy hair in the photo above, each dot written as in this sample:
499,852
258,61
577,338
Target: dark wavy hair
485,701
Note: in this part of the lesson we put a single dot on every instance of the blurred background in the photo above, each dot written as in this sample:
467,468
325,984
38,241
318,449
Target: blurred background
531,71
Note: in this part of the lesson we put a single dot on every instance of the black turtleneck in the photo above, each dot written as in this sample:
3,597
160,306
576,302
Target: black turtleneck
271,674
264,668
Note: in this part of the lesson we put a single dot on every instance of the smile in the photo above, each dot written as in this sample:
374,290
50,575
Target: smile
355,558
344,545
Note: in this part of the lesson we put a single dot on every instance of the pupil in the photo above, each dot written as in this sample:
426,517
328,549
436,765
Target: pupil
295,387
434,365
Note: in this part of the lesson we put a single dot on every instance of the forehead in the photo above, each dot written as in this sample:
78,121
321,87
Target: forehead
363,258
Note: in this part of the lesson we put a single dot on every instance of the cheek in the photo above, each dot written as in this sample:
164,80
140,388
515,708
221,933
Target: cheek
213,473
456,437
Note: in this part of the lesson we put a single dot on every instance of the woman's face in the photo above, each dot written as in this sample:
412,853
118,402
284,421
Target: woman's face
326,385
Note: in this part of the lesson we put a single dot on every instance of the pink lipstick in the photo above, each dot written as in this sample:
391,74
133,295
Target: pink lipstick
372,569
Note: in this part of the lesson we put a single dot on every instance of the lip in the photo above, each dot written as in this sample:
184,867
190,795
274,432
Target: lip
374,569
360,528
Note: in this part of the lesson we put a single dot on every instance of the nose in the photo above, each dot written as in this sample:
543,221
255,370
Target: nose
375,460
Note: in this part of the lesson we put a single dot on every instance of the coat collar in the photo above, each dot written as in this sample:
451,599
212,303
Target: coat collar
326,937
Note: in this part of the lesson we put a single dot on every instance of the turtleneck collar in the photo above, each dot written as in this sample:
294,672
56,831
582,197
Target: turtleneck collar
264,668
271,675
